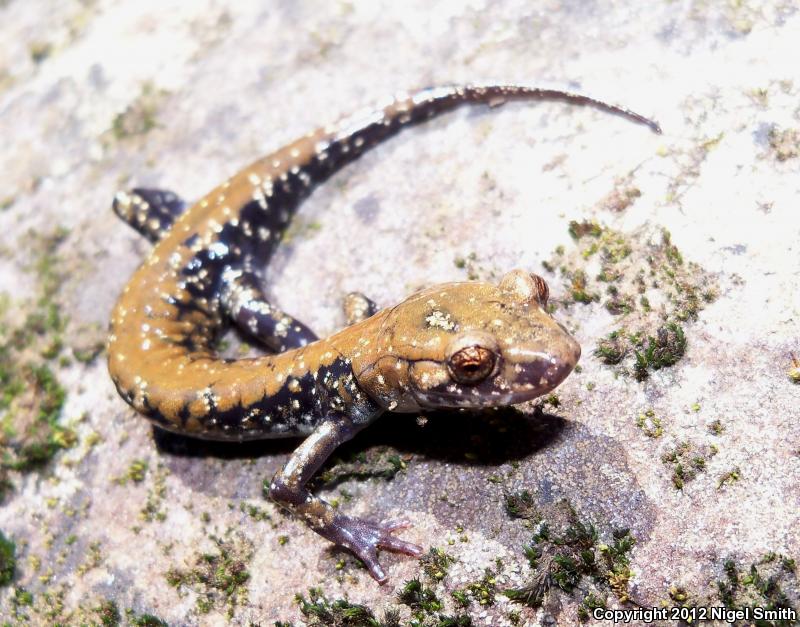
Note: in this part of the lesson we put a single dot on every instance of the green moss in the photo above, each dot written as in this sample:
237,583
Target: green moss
686,460
650,424
219,578
678,595
589,228
31,397
662,351
460,262
620,304
255,512
461,598
566,553
144,620
20,602
31,434
88,354
153,509
636,270
468,263
794,370
40,50
484,590
590,603
785,144
435,563
522,505
320,612
767,583
136,472
420,599
729,477
108,613
8,560
140,116
578,288
612,349
92,559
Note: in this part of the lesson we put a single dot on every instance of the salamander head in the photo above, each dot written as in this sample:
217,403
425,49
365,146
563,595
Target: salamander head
468,345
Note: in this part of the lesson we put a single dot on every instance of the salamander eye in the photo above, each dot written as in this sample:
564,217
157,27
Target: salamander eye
471,365
524,288
541,291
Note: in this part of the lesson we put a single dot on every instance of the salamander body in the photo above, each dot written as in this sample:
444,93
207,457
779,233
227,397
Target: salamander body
465,345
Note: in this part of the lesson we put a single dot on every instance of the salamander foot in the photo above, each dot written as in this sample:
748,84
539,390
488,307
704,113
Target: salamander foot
358,307
365,537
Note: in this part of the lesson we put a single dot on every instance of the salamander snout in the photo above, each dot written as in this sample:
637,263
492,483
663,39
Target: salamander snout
538,351
535,367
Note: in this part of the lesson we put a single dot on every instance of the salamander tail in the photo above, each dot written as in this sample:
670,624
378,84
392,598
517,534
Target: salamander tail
436,99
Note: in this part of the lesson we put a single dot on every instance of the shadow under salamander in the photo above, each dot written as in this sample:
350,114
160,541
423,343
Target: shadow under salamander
488,437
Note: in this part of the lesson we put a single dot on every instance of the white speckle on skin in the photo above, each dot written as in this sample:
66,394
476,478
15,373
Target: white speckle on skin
443,320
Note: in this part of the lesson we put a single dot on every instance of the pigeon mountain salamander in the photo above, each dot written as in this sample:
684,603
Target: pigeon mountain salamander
458,345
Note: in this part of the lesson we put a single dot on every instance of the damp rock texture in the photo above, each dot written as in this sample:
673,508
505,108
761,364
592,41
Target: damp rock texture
664,472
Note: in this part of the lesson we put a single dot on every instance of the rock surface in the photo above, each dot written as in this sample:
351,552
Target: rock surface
699,460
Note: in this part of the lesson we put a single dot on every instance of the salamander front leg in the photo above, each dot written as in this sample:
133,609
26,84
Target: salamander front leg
358,307
250,310
362,537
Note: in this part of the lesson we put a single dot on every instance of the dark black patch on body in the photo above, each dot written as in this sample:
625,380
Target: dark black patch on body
184,414
191,240
158,418
316,399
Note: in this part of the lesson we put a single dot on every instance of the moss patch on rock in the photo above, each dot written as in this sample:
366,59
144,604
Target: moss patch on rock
218,577
643,280
31,342
8,560
567,554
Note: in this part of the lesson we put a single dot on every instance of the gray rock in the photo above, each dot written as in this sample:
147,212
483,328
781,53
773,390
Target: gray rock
700,460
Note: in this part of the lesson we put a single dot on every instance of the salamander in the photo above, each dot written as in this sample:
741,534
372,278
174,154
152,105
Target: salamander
457,345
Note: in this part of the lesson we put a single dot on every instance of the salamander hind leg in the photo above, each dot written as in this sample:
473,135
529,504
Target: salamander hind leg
248,308
358,308
150,211
362,537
